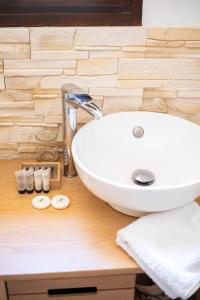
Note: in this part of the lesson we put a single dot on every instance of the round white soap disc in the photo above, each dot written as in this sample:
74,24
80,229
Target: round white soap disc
60,201
41,202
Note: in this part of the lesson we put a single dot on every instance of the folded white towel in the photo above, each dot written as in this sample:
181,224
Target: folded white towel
167,247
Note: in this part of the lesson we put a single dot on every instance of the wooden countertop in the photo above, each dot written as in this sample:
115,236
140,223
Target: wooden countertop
55,243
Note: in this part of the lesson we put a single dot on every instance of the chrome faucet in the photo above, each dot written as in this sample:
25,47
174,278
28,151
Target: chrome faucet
74,98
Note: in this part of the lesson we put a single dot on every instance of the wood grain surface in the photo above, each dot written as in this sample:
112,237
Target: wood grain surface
54,243
70,13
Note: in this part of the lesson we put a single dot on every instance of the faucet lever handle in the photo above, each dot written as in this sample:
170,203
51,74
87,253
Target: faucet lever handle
80,98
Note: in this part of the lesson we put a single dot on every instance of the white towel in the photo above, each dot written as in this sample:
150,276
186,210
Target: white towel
166,245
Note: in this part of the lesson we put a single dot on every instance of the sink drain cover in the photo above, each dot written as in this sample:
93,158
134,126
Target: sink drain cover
143,177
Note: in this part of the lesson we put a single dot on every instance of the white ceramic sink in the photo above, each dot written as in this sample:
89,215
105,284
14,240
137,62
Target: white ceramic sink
106,153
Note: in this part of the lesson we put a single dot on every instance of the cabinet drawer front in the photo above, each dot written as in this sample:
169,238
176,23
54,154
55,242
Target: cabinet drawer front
42,286
127,294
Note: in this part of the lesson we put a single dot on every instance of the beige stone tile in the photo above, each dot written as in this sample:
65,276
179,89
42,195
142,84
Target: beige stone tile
8,146
69,72
189,94
14,35
175,43
110,36
192,44
22,83
27,156
155,43
13,112
183,105
23,134
26,144
2,84
41,92
32,72
60,55
97,48
17,104
97,67
14,51
45,96
181,84
104,54
16,95
5,134
171,34
156,52
118,104
6,124
195,118
41,64
53,119
115,92
6,155
132,52
139,83
43,125
48,107
21,118
26,134
132,48
52,38
159,69
81,81
159,93
154,105
60,134
164,43
28,149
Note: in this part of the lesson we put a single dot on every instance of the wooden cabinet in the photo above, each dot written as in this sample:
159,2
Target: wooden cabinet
197,295
3,292
73,253
112,287
70,12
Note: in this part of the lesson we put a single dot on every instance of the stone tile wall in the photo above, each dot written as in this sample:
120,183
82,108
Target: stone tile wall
123,68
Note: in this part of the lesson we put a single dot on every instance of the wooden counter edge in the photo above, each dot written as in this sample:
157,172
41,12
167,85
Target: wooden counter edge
74,274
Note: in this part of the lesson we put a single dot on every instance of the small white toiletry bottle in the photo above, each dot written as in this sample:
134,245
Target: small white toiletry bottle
20,179
38,180
46,173
29,182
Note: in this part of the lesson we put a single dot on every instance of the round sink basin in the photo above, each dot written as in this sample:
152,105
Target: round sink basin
139,162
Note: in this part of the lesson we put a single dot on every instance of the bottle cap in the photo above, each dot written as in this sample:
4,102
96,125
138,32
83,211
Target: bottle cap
41,202
60,201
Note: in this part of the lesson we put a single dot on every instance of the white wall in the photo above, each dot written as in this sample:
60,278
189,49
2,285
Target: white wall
171,13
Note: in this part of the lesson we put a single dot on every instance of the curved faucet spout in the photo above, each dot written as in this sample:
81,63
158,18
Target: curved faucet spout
93,110
85,102
74,98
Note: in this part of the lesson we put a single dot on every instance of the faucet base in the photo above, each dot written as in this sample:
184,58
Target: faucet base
69,167
70,176
69,172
